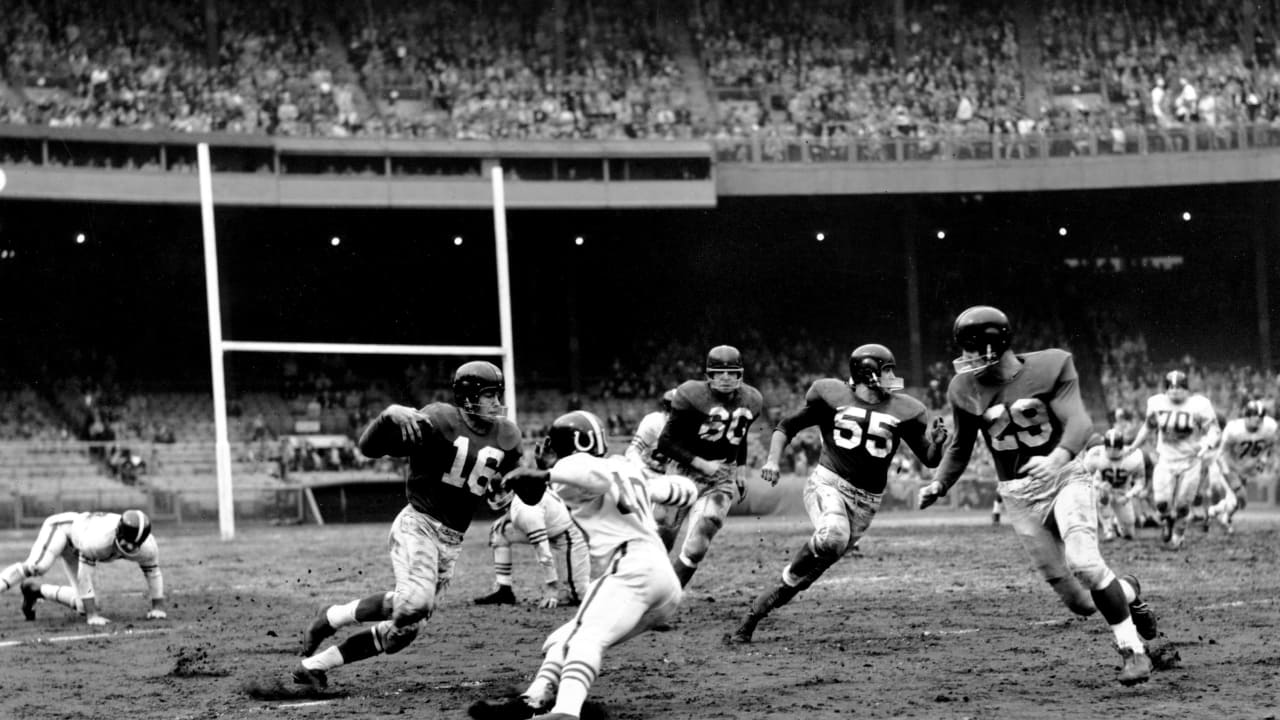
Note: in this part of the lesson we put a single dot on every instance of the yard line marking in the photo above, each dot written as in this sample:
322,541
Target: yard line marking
74,638
964,631
1234,604
312,703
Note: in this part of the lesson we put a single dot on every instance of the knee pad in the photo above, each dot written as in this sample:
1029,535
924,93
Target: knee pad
830,542
394,638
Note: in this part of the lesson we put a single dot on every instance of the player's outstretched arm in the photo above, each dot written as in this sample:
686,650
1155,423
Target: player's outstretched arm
927,444
1141,437
771,470
84,590
954,459
155,586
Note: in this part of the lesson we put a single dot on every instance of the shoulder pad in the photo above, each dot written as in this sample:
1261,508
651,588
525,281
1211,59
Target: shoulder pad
905,406
508,434
828,389
752,399
692,394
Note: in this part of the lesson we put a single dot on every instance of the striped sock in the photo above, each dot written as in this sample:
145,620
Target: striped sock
543,688
575,683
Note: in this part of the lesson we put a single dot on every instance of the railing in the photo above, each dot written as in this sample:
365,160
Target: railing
766,148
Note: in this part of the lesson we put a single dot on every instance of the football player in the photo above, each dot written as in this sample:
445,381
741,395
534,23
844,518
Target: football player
706,436
641,451
1029,410
633,587
456,451
1247,449
558,544
82,540
1187,431
1120,476
862,420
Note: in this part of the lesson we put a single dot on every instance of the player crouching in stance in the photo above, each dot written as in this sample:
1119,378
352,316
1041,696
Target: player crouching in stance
1028,408
455,453
558,543
82,540
634,587
862,422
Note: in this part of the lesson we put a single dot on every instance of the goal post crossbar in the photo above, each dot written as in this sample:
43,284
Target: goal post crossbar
359,348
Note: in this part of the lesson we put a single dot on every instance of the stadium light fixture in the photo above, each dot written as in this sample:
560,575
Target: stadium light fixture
942,234
1062,231
578,241
821,236
79,238
1186,216
335,241
457,240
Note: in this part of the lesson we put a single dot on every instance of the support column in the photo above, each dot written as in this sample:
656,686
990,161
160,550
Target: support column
907,229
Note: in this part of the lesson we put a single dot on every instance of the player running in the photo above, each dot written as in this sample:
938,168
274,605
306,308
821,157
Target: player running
1029,410
706,436
455,452
641,451
1120,477
1187,431
861,421
633,589
1247,451
82,540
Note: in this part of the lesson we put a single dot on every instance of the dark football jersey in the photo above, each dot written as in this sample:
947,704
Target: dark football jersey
860,438
450,470
710,426
1017,418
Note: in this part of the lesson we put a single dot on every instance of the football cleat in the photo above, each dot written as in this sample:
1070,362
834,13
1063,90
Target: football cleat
1136,667
1166,529
502,596
314,679
515,707
1144,618
30,596
316,633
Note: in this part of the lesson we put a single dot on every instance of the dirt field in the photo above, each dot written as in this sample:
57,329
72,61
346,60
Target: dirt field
942,618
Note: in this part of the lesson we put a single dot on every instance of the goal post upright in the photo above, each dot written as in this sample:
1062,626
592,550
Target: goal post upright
218,346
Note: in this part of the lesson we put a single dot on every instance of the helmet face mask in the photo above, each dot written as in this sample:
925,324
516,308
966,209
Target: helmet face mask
1114,443
983,334
1176,386
574,432
1254,412
724,369
478,388
133,531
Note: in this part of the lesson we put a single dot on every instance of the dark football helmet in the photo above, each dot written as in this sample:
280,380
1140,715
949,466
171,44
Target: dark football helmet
1114,443
724,369
668,399
133,530
983,334
1176,386
867,366
473,379
1254,412
575,432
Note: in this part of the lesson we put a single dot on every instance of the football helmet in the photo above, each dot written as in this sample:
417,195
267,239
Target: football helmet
575,432
133,530
1176,386
873,365
1114,443
472,380
1254,412
668,400
724,369
1121,416
983,334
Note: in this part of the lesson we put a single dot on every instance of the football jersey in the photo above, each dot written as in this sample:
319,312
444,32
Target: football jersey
93,535
1179,426
708,425
1129,471
450,470
1248,452
1017,417
623,513
859,439
645,441
548,519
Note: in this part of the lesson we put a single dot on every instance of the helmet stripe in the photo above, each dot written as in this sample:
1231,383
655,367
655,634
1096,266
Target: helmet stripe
596,429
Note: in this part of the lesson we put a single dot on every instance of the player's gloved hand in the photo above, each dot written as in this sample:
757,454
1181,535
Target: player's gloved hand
938,432
929,495
156,614
528,484
407,419
550,596
97,620
770,473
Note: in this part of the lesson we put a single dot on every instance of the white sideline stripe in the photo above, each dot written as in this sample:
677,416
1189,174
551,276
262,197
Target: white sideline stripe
1233,604
312,703
970,631
74,638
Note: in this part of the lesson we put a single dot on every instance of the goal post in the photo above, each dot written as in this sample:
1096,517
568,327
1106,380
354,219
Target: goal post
219,346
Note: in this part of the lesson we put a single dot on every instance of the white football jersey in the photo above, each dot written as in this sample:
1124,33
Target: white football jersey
548,519
1248,452
623,513
646,439
1122,474
93,535
1180,426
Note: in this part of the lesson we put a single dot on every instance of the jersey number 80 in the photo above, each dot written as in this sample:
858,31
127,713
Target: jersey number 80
720,423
